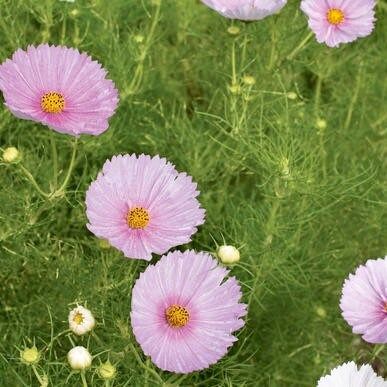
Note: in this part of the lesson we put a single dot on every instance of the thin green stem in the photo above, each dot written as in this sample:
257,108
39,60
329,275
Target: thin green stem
54,159
37,374
70,170
300,46
33,181
138,73
140,362
354,98
83,378
317,96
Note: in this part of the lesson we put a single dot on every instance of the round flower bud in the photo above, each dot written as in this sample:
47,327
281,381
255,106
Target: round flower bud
249,80
321,124
107,370
104,244
228,254
291,95
30,355
79,358
233,30
11,155
81,320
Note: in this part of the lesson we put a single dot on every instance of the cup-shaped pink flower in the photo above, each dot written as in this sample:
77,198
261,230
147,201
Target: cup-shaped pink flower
185,310
58,87
364,301
142,205
339,21
246,9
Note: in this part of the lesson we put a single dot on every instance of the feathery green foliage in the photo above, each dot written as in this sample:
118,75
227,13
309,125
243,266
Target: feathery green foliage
291,169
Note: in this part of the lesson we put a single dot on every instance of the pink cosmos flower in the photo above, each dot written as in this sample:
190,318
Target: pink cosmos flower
364,301
339,21
246,9
184,311
142,205
60,88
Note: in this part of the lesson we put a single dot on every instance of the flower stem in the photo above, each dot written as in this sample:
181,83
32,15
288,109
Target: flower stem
32,180
54,159
83,378
138,73
69,171
37,374
299,47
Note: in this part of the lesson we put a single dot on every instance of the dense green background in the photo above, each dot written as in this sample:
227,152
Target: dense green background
305,204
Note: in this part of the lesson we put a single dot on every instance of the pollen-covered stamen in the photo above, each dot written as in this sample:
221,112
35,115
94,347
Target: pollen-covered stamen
385,307
52,102
177,316
78,318
335,16
137,218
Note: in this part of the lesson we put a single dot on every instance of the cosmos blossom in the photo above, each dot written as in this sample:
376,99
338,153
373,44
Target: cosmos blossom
246,9
364,300
339,21
58,87
142,205
349,375
81,320
185,310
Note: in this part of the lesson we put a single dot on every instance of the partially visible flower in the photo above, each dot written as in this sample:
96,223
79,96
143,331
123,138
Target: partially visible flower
142,205
364,301
79,358
339,21
11,155
60,88
348,375
30,355
107,371
246,9
228,254
81,320
185,310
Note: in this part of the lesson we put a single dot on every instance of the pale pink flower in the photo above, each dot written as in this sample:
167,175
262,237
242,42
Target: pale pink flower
185,310
142,205
339,21
58,87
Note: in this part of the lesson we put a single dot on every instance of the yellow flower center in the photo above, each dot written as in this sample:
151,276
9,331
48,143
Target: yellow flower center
177,316
52,102
385,307
138,217
78,318
335,16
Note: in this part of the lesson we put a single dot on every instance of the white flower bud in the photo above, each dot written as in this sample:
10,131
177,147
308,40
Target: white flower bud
79,358
228,254
81,320
11,155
